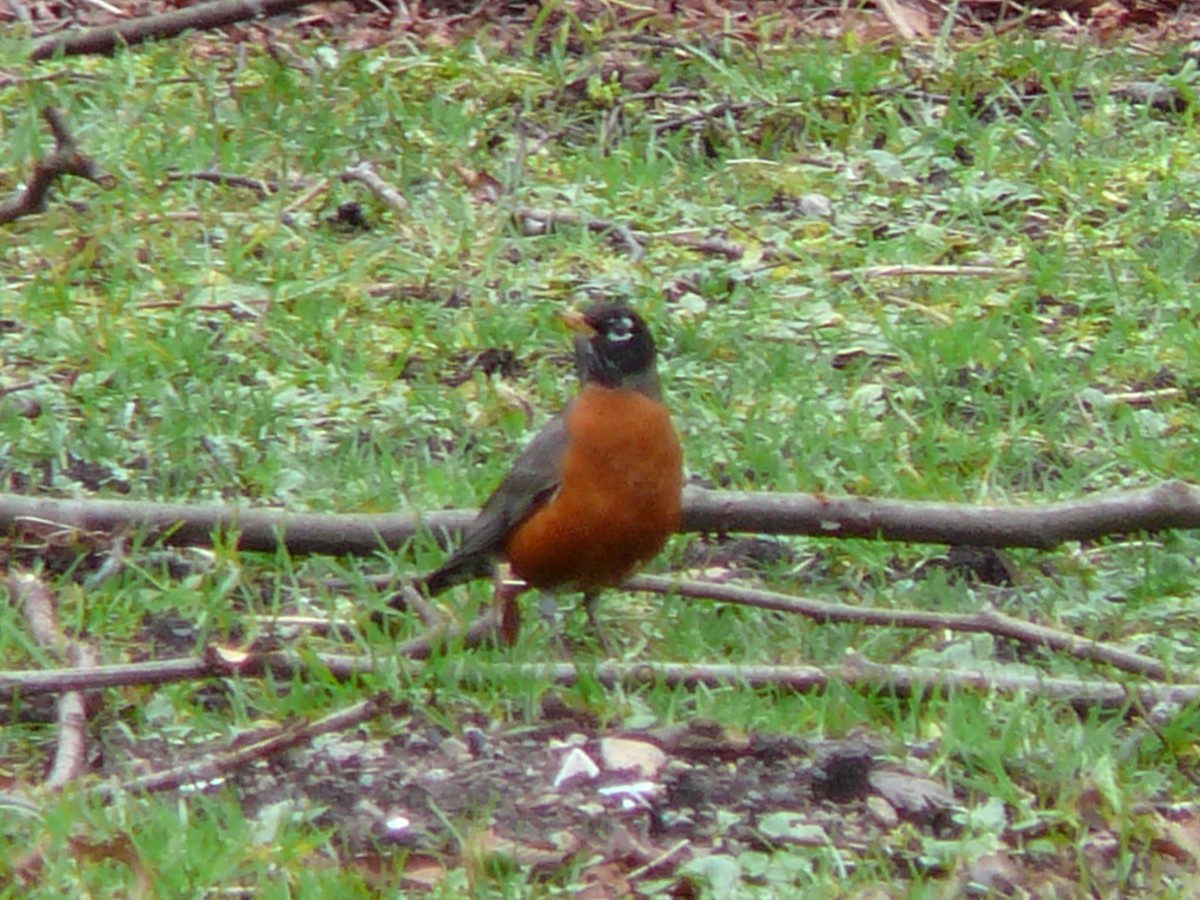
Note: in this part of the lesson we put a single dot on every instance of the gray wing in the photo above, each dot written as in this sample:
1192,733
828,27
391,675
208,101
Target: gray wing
530,482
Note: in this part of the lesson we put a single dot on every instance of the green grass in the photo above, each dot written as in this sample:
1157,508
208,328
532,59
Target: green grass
317,394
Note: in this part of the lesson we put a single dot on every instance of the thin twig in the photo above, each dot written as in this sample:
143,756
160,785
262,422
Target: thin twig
408,597
653,864
483,629
1139,399
986,621
365,173
858,673
314,191
216,766
223,662
711,112
258,185
632,238
20,386
541,220
906,271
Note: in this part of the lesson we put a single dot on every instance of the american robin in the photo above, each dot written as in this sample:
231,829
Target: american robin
596,493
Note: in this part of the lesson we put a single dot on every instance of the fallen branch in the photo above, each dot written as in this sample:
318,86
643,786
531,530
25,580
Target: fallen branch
860,674
220,662
70,757
987,621
217,765
856,672
258,529
365,173
64,160
725,107
1168,505
260,186
108,38
533,219
539,221
907,271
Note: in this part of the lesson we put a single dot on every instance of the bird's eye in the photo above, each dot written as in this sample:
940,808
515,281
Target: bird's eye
620,330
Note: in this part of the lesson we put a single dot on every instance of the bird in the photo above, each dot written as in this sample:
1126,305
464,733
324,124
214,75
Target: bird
597,492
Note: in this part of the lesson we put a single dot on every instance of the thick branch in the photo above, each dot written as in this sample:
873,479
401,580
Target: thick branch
259,529
65,159
1172,504
107,38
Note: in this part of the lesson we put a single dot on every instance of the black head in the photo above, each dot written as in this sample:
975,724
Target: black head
614,348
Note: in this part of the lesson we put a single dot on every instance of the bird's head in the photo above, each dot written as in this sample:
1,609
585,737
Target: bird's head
613,348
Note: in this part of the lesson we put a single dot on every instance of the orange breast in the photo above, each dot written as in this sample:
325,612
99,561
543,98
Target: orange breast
622,476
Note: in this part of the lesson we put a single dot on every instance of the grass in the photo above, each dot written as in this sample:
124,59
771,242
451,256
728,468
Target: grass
315,393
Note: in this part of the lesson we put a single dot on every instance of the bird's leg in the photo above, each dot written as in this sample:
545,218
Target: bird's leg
505,589
590,598
548,610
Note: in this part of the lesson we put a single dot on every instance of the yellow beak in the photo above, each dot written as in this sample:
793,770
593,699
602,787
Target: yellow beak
574,320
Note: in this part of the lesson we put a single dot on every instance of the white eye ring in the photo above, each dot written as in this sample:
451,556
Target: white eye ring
621,331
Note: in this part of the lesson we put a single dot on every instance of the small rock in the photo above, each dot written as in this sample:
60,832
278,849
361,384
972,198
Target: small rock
913,796
619,754
815,206
996,874
842,771
882,811
477,741
456,751
397,823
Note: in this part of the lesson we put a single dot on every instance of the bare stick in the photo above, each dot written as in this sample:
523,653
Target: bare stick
64,160
538,220
108,38
258,529
258,185
484,628
901,271
222,662
855,671
986,621
70,758
1169,505
366,174
711,112
632,238
860,674
222,763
